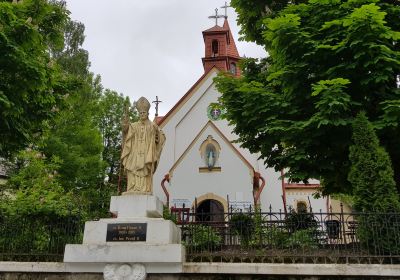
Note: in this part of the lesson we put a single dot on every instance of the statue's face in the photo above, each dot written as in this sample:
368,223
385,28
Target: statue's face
143,115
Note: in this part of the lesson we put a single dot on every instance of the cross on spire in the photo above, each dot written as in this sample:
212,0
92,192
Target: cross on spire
226,6
217,16
157,102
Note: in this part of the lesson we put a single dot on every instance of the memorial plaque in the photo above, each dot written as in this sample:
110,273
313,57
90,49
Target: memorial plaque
126,232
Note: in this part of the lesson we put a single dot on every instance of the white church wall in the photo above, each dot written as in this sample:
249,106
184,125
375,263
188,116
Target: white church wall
272,193
297,195
170,153
182,127
227,130
194,120
234,179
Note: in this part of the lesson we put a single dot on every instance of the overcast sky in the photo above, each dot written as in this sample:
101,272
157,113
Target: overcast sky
152,47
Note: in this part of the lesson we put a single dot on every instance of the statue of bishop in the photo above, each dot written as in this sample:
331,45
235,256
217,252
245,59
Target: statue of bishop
142,145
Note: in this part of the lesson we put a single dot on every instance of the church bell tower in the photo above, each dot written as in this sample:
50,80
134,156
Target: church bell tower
220,47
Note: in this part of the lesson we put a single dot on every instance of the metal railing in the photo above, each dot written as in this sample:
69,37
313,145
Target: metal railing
40,238
231,237
274,237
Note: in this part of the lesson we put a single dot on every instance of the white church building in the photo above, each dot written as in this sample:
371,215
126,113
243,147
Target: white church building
201,167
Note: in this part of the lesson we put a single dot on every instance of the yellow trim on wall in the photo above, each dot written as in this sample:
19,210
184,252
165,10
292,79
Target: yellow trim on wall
211,196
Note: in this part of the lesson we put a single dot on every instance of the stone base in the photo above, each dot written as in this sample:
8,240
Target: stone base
124,253
159,231
159,252
130,205
167,258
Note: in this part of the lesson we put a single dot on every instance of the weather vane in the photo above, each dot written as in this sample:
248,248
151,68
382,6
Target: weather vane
157,102
217,16
226,6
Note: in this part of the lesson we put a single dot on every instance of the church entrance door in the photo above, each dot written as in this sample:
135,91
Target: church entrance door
210,210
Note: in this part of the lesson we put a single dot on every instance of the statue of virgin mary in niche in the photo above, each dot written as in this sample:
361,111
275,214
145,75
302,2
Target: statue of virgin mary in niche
210,156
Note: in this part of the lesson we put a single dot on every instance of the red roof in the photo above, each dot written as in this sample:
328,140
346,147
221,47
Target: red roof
301,186
216,28
232,50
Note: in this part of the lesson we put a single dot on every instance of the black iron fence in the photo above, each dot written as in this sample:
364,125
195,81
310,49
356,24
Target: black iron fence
276,237
236,236
38,238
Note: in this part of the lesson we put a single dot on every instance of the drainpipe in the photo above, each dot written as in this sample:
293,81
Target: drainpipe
166,178
283,191
257,193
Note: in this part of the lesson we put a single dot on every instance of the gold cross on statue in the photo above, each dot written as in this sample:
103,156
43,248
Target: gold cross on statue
217,16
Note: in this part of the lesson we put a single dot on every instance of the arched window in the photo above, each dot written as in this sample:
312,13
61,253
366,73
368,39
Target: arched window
301,207
232,68
214,48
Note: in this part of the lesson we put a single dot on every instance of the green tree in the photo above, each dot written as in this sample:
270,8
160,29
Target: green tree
73,58
111,112
74,134
33,189
375,194
28,77
371,172
38,217
327,61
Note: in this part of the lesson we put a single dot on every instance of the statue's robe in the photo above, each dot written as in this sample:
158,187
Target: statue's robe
140,155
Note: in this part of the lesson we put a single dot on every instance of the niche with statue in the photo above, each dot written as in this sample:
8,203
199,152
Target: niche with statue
210,151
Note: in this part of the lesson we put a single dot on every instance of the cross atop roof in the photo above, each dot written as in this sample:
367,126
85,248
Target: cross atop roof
226,6
217,16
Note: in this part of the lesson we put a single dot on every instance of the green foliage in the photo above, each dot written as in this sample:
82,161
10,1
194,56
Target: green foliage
243,225
379,232
265,234
72,58
328,60
345,198
76,134
203,237
34,191
27,239
371,175
82,121
276,237
110,114
74,137
302,239
371,172
50,100
300,231
296,221
167,215
252,12
28,76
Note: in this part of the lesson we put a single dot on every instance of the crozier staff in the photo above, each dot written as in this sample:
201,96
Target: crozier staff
141,150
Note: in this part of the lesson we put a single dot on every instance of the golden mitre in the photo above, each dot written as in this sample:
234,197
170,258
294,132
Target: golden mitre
142,104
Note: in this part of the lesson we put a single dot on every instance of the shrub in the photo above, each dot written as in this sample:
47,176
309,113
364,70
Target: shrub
299,221
303,239
203,237
243,225
167,215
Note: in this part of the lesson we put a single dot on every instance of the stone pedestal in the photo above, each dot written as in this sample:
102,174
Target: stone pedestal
138,241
